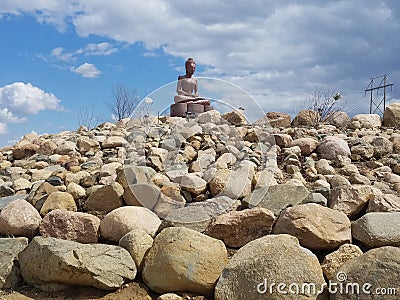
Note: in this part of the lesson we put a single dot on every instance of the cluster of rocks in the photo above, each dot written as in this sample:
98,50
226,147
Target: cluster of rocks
212,206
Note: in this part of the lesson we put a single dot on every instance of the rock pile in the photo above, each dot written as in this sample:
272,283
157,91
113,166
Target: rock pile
212,206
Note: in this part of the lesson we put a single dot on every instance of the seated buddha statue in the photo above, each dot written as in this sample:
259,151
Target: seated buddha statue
187,88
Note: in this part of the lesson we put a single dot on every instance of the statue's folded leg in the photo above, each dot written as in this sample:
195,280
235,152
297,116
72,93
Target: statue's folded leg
203,102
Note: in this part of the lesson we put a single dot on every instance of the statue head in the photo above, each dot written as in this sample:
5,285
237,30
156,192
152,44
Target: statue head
190,66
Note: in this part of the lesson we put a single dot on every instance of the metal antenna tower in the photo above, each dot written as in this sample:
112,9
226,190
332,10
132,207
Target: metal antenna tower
383,84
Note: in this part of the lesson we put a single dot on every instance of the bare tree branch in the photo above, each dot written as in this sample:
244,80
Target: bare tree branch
124,103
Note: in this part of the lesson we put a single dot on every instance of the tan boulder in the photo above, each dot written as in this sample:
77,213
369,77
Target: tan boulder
24,149
235,117
275,119
307,145
385,202
113,142
137,242
105,198
58,200
351,199
237,228
334,260
306,118
317,227
184,260
391,115
86,144
253,269
120,221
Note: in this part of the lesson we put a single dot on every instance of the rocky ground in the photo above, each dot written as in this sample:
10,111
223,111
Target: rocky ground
205,208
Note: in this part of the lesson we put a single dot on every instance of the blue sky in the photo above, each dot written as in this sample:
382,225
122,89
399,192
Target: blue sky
59,57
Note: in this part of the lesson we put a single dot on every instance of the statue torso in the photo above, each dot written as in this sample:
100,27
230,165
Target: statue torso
188,84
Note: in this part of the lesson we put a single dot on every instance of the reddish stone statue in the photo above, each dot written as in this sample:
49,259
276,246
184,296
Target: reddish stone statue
187,88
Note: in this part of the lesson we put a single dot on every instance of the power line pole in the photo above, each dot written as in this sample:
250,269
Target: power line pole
384,83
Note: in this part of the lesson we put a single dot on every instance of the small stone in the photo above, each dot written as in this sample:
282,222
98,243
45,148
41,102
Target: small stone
76,191
55,181
193,184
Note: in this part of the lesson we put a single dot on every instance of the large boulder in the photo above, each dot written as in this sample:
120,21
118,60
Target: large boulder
351,199
375,275
317,227
232,184
137,242
367,120
235,117
120,221
254,271
106,198
306,118
391,115
199,215
334,260
237,228
10,274
142,194
58,200
54,264
24,149
277,197
86,144
275,119
339,119
376,229
74,226
184,260
19,218
307,145
385,202
331,146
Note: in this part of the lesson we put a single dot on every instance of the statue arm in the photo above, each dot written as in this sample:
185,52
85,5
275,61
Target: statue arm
179,87
196,93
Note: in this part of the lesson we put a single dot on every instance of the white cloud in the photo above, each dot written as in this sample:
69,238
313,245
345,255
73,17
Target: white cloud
19,100
87,70
3,128
98,49
7,116
24,99
60,54
105,49
54,12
